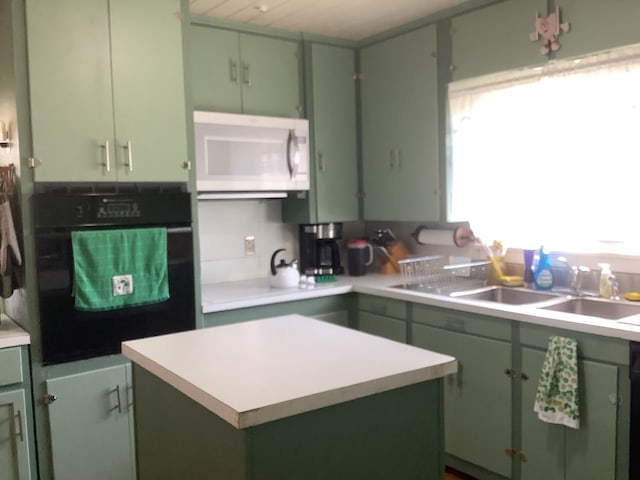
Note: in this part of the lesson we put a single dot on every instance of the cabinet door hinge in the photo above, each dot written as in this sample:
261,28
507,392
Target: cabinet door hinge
33,163
49,398
358,76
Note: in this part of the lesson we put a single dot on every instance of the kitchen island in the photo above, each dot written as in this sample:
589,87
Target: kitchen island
287,398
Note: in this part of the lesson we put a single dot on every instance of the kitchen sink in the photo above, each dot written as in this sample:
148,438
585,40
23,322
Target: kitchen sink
507,295
610,310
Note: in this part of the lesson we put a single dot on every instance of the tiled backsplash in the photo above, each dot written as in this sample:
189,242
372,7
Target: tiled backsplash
224,224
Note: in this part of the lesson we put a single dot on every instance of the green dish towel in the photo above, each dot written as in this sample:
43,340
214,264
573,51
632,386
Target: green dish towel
557,395
119,268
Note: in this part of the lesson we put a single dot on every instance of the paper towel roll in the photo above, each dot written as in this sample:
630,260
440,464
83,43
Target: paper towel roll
460,237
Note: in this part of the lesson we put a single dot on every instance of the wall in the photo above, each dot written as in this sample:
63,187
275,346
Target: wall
223,225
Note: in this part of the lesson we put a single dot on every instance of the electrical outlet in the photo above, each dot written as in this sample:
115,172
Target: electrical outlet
249,245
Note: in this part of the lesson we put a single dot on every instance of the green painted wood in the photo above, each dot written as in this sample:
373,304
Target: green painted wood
148,89
598,26
340,305
478,406
400,128
388,307
557,452
270,76
463,322
70,89
340,317
96,62
395,434
331,107
215,69
496,38
10,366
386,327
14,436
90,428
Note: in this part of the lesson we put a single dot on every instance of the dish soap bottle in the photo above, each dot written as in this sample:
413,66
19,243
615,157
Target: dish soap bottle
605,280
543,276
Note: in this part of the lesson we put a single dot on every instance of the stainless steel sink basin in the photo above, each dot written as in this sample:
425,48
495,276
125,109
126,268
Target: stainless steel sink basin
508,295
610,310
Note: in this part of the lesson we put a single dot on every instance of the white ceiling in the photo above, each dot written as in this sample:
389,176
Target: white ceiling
347,19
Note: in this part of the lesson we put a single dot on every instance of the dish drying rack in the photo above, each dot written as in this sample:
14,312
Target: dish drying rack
434,275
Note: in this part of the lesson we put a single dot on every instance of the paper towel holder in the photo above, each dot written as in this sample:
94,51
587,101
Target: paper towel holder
461,236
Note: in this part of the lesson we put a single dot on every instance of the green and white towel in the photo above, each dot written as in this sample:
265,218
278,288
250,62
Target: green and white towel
557,395
119,268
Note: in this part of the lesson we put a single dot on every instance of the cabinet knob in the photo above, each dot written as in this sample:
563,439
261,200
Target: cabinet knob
509,372
524,376
509,452
49,398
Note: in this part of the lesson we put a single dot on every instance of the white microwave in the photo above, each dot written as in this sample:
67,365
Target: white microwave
258,155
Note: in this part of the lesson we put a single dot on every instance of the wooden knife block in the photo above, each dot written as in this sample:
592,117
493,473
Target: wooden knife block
397,251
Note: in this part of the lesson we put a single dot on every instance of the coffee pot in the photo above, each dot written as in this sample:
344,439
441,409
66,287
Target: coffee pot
283,275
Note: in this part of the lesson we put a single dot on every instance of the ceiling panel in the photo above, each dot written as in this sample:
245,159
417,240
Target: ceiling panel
348,19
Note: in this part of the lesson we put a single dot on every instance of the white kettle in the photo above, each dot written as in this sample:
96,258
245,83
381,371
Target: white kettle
283,275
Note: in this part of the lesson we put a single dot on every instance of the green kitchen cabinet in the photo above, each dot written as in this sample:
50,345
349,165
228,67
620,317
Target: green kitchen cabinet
335,309
107,90
596,449
331,106
478,404
597,26
479,51
16,437
399,104
91,424
244,73
385,317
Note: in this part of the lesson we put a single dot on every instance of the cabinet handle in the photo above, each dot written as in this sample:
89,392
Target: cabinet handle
129,162
246,74
186,165
49,398
118,402
107,157
19,419
391,155
321,162
233,71
509,452
524,376
509,372
523,458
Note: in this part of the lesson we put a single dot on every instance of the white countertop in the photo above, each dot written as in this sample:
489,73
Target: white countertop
258,371
232,295
11,334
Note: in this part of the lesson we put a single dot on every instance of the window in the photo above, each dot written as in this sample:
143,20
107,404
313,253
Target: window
551,155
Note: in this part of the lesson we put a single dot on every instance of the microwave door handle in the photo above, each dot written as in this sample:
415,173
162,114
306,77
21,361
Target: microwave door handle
293,154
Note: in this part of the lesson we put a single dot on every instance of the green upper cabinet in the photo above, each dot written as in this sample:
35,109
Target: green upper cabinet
331,104
107,90
400,128
597,25
496,38
244,73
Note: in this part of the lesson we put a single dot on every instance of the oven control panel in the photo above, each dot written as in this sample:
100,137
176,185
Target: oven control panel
121,208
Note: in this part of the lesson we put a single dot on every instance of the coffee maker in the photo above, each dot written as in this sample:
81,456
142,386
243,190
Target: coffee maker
319,249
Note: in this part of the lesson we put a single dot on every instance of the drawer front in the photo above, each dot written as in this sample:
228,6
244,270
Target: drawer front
614,350
462,322
386,327
10,366
388,307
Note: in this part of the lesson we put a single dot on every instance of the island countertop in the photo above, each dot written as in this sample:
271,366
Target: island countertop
263,370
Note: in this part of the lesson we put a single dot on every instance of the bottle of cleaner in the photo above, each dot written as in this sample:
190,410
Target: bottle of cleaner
605,280
543,275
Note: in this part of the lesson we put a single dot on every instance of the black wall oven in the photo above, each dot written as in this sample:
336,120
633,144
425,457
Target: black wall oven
68,334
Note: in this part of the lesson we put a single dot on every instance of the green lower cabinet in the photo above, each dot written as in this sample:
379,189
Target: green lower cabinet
91,425
477,402
14,449
555,452
335,309
385,317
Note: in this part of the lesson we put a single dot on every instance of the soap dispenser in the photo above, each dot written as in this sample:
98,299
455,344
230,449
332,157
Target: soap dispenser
606,290
543,275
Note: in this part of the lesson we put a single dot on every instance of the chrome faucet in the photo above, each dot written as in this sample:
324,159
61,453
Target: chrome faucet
576,276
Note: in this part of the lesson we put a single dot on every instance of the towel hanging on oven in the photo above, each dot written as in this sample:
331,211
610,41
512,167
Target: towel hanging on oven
119,268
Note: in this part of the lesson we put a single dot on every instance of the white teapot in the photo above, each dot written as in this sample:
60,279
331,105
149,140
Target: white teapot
283,275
